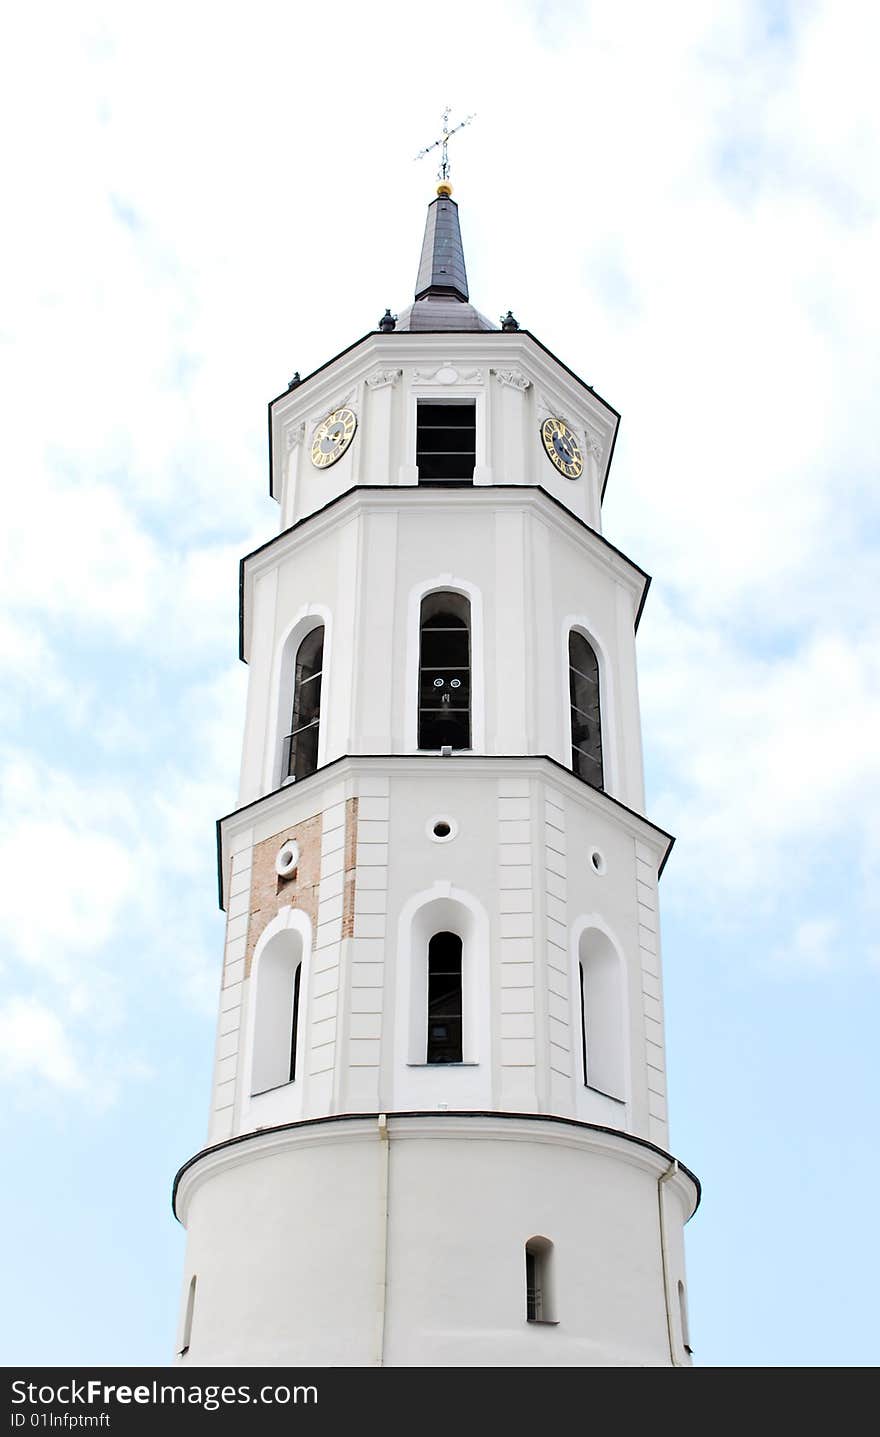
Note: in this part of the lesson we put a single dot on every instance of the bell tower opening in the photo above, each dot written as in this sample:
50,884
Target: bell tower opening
446,442
445,672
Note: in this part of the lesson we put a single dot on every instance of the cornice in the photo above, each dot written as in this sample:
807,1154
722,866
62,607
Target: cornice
587,1138
418,764
364,498
495,349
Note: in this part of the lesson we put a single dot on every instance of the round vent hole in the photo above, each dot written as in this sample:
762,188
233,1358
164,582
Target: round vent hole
287,859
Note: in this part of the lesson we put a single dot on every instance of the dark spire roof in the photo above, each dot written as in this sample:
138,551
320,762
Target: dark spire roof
441,268
441,299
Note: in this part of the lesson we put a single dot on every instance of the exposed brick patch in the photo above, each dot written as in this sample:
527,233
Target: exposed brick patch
299,891
351,824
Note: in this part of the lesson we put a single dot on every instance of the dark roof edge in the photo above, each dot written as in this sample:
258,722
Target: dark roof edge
453,1113
460,758
408,488
576,377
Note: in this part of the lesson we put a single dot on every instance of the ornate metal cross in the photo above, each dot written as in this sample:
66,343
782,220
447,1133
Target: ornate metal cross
443,171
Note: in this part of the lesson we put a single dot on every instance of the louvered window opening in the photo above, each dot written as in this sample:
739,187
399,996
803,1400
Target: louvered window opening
445,672
446,443
586,731
534,1295
444,999
301,744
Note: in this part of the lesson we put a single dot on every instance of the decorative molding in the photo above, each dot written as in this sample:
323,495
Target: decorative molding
342,401
594,444
512,379
316,418
549,409
295,435
446,373
590,439
382,377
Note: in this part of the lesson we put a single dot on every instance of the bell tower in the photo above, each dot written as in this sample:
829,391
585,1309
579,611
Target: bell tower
438,1128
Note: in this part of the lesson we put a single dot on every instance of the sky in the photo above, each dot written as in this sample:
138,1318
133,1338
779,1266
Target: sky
682,203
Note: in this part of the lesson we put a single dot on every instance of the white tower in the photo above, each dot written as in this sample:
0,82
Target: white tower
438,1126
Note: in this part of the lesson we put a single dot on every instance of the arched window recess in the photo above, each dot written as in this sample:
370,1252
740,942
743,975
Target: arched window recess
539,1281
603,1044
278,978
444,672
586,723
300,752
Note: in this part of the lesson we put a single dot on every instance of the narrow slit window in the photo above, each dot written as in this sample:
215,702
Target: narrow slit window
294,1020
586,728
188,1319
446,443
444,999
683,1314
539,1297
301,744
583,1023
445,672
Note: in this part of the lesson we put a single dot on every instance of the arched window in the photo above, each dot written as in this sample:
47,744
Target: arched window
586,728
301,744
539,1279
276,1017
599,971
445,672
444,999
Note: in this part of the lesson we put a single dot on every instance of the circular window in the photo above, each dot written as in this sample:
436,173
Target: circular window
441,828
287,859
597,861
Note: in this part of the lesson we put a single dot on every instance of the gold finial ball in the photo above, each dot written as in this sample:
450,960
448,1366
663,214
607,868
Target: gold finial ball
444,190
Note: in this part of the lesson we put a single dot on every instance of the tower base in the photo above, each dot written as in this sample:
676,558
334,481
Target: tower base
365,1241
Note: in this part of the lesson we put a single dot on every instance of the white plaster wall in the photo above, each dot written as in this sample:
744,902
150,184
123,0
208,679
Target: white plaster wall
530,573
514,383
519,862
296,1264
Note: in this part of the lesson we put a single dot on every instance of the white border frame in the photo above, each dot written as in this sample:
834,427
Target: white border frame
410,1022
454,392
607,703
309,617
287,1102
578,928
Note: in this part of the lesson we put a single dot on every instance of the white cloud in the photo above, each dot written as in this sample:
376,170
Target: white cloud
34,1044
683,207
770,762
814,947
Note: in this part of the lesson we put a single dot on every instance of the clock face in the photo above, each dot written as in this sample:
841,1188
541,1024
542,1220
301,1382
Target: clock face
332,437
562,448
